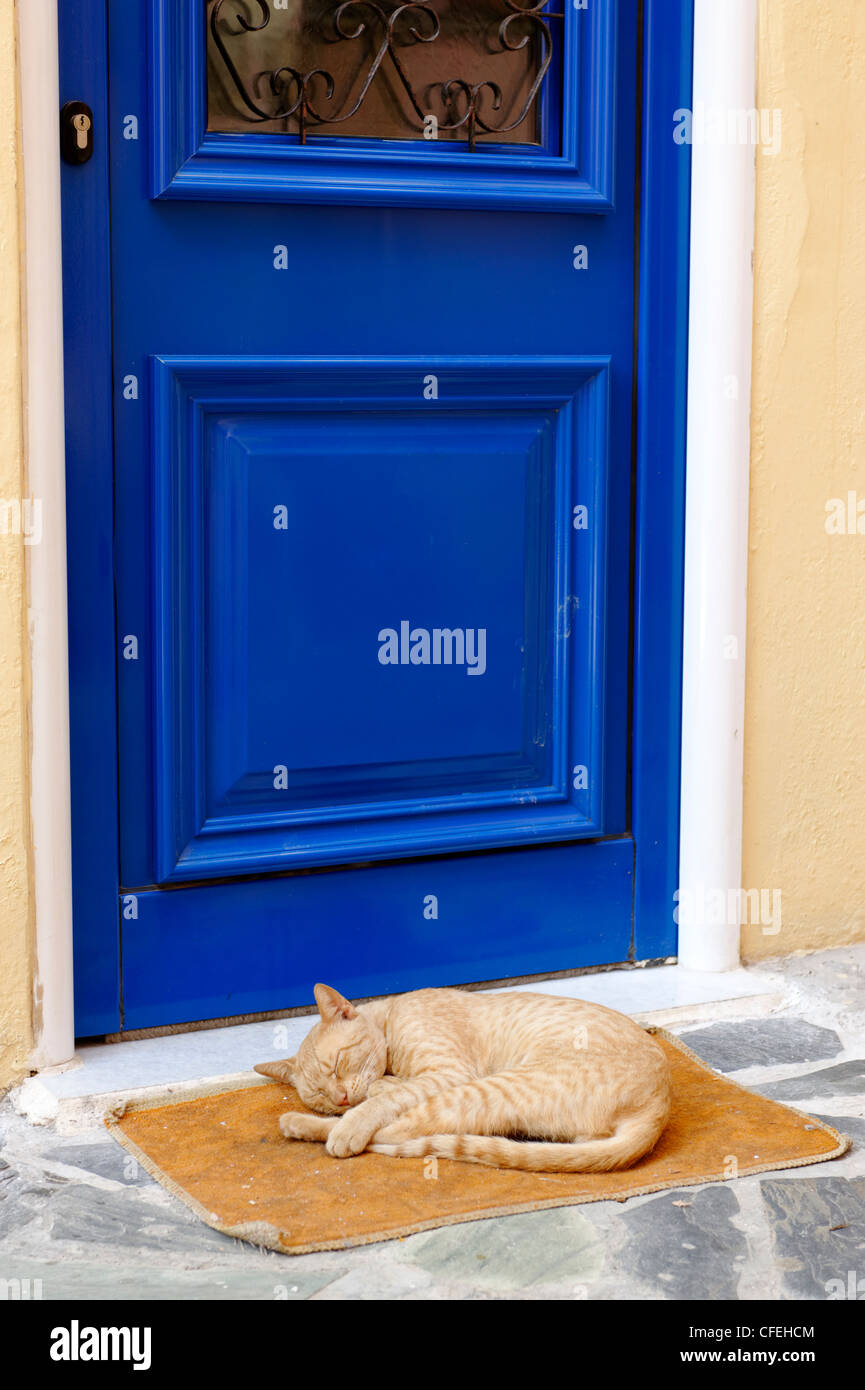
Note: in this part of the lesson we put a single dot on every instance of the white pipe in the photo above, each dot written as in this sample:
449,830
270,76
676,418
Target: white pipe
44,443
716,526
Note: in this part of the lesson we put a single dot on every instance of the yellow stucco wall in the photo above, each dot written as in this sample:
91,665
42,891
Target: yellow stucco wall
15,895
804,802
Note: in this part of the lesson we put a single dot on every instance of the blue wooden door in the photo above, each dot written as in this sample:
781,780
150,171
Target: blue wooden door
372,312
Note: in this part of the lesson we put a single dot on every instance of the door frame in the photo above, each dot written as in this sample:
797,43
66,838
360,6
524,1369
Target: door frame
714,590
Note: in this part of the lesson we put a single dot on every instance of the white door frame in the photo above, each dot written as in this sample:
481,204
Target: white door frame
716,508
722,233
46,563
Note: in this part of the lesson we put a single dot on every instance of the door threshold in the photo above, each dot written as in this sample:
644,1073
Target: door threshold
76,1096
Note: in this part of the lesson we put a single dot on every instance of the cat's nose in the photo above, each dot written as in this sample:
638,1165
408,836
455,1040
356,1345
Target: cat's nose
343,1100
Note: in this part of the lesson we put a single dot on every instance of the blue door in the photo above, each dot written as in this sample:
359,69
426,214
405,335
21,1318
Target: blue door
372,658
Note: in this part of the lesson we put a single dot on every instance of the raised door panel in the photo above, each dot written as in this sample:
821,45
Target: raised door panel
379,596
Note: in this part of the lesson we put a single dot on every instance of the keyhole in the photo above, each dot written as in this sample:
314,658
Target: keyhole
81,122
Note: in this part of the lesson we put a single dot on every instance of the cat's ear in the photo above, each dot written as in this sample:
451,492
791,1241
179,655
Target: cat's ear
279,1071
332,1005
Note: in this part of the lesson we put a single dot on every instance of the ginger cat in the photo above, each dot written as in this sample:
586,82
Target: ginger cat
528,1081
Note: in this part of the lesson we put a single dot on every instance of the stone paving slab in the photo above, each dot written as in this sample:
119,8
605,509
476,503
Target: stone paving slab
87,1216
762,1042
818,1227
851,1125
845,1079
96,1283
15,1212
104,1160
686,1242
560,1246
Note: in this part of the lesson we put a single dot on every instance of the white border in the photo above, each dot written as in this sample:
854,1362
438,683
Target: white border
716,515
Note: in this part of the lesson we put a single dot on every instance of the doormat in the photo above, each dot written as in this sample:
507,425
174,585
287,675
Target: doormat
222,1153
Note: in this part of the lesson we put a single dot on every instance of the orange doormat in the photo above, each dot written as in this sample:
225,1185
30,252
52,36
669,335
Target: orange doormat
222,1154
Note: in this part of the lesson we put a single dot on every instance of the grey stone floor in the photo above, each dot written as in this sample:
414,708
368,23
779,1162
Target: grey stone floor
79,1216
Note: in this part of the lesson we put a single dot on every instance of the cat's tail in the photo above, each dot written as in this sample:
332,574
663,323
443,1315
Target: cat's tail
633,1138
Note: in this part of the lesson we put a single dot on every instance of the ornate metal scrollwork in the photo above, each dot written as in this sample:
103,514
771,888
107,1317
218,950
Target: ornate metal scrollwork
310,97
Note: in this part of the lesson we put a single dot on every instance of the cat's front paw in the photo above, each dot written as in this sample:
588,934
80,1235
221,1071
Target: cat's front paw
294,1124
351,1134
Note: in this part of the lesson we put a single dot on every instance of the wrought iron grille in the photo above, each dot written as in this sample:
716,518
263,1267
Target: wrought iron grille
357,47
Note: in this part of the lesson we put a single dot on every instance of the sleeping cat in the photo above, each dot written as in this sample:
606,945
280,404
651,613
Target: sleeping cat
529,1081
